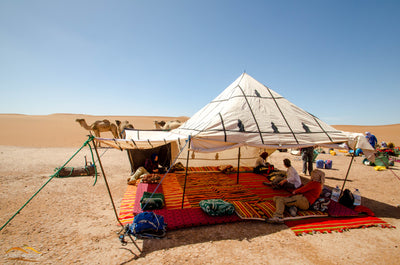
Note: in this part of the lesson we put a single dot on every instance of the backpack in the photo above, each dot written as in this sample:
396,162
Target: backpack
347,198
148,225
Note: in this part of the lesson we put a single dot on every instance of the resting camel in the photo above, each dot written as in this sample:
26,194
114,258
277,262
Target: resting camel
122,126
99,126
169,125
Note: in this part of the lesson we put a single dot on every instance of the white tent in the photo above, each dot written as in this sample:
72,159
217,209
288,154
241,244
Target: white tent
249,115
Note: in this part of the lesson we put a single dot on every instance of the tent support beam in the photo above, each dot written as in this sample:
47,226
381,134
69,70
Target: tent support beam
112,201
347,174
238,166
186,172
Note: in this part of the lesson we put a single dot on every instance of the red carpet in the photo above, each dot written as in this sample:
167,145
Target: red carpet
252,200
328,225
189,217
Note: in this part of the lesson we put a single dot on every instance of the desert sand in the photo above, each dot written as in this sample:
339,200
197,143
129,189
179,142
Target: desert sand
71,220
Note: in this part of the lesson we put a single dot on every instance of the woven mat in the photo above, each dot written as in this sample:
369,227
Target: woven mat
189,217
264,210
330,224
126,209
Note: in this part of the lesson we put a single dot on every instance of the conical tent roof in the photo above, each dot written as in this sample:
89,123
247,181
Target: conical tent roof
249,113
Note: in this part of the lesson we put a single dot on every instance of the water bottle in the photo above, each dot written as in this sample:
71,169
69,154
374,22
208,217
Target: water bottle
335,194
357,197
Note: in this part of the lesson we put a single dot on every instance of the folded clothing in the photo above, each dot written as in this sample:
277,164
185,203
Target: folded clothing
151,201
217,207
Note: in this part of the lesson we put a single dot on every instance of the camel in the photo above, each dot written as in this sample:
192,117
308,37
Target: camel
99,126
122,126
169,125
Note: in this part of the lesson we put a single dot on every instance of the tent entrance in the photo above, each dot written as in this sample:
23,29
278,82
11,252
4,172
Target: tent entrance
137,157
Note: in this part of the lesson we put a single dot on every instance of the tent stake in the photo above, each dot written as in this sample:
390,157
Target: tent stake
186,173
111,198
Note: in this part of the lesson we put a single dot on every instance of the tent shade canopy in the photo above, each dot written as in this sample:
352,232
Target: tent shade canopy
249,113
246,114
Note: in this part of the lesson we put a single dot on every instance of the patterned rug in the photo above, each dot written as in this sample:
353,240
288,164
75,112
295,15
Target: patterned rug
252,200
126,209
339,224
264,210
216,169
189,217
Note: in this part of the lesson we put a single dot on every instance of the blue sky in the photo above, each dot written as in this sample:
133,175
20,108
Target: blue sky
339,60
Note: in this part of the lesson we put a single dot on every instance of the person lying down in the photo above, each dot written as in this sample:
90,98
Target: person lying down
302,197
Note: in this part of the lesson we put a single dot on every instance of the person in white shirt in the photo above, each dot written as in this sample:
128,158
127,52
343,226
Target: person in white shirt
292,180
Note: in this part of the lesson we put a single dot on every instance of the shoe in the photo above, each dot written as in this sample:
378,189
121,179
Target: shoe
275,220
293,211
267,183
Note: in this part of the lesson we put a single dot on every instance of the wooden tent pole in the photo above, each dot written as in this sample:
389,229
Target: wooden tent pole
186,172
111,198
348,170
347,174
237,177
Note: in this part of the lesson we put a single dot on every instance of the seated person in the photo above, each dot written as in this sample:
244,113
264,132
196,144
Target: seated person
302,197
290,182
262,166
151,166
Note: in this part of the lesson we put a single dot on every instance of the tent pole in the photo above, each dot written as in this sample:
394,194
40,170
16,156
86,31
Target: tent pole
237,177
109,193
351,162
347,174
186,172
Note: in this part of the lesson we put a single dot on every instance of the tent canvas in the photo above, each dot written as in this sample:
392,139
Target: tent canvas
247,114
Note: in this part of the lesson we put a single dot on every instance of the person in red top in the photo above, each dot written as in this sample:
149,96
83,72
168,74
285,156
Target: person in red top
302,197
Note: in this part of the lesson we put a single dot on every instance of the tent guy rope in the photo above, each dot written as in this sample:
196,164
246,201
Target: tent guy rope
51,177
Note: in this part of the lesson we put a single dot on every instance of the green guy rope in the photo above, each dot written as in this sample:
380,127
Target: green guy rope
55,174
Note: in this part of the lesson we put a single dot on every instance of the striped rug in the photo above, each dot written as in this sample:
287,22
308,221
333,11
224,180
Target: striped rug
126,209
329,225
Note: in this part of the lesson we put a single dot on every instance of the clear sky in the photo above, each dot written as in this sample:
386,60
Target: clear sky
339,60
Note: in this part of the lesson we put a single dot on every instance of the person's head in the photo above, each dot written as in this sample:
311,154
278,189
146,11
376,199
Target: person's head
154,157
287,162
264,155
318,175
367,134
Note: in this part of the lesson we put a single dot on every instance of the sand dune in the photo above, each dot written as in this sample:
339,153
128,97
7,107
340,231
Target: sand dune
61,130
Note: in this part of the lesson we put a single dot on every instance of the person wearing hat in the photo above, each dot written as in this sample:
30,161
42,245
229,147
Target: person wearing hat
302,197
371,139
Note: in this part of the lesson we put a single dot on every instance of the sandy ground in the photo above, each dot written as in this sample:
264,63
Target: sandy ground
72,221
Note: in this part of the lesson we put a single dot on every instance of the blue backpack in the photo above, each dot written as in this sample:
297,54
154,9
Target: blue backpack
148,225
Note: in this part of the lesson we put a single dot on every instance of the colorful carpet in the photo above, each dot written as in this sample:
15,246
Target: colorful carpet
126,209
173,193
216,169
253,182
264,210
329,225
189,217
252,200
